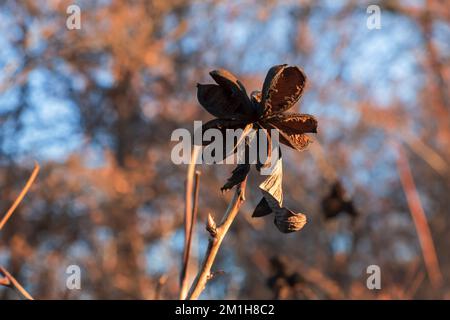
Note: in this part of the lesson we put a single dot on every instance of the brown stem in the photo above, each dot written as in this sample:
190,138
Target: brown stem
420,219
216,235
188,216
5,282
15,283
20,197
188,240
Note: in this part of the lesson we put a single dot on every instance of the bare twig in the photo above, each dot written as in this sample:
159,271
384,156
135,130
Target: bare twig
187,249
8,280
217,233
21,196
428,154
188,220
417,281
5,282
419,218
14,283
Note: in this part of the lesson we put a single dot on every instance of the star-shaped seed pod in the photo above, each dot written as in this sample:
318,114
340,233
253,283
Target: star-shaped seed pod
228,101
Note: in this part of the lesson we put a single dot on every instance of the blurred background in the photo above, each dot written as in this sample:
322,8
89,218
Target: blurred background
96,108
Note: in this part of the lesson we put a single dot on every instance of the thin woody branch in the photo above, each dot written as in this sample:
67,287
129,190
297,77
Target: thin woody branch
188,243
216,235
14,283
419,219
8,280
188,213
21,196
5,282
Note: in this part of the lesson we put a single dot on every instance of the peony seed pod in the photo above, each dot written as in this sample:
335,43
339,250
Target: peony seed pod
288,221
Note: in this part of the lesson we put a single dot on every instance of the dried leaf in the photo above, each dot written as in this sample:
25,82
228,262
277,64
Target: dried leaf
262,209
285,219
241,171
238,175
272,186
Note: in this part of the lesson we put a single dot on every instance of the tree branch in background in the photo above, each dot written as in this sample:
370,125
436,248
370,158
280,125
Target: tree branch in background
216,235
427,153
419,218
14,283
8,280
21,196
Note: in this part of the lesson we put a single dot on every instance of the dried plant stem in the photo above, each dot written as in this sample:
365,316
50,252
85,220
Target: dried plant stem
420,219
13,282
216,235
8,280
428,154
188,240
188,218
21,196
5,282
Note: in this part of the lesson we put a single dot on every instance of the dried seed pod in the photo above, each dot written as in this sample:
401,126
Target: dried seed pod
288,221
229,102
